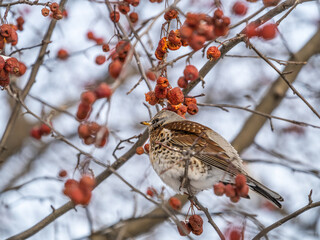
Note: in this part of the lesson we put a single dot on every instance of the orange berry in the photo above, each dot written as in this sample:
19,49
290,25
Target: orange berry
45,12
87,182
83,131
192,109
54,7
182,82
268,31
151,191
163,82
213,53
196,42
123,7
22,68
93,128
160,92
175,203
171,14
135,3
105,47
175,96
151,75
151,98
90,35
139,150
188,101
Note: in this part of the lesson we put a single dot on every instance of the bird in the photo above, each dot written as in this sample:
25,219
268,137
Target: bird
211,159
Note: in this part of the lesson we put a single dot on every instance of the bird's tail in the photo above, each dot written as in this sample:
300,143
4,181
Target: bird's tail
264,191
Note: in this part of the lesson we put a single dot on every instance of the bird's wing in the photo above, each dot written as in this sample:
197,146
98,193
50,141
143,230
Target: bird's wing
192,135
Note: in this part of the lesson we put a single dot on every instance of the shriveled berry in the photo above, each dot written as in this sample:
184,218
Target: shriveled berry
54,7
219,189
175,203
123,7
151,98
139,150
189,100
213,53
196,222
191,73
160,92
171,14
193,109
94,127
163,82
105,47
2,63
175,96
45,12
100,59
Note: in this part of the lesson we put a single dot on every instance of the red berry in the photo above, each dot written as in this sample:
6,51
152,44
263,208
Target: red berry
90,35
235,235
240,181
88,97
219,189
186,229
22,68
135,3
54,7
103,91
115,68
196,222
192,109
115,16
99,41
151,75
146,147
160,92
213,53
83,111
191,73
175,203
182,82
45,129
171,14
163,82
268,31
251,31
87,182
139,150
124,7
239,8
230,191
151,98
63,173
105,47
100,59
235,198
63,54
244,191
151,191
83,131
134,17
35,133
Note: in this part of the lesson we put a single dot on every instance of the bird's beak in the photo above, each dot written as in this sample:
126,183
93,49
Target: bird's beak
145,123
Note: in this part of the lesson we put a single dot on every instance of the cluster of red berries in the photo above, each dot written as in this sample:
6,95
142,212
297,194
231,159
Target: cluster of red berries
267,31
79,192
8,34
93,133
233,191
124,8
20,22
10,66
38,131
56,13
213,53
118,57
89,97
194,225
199,28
